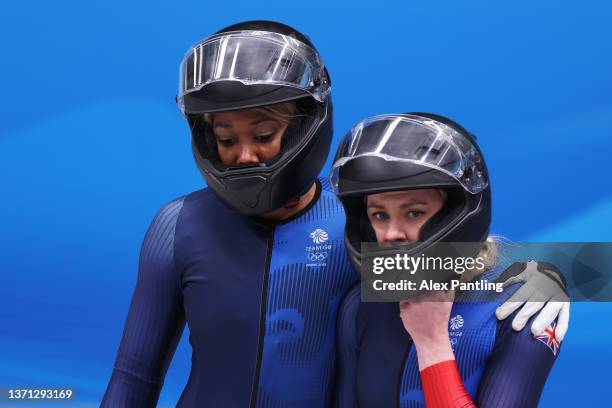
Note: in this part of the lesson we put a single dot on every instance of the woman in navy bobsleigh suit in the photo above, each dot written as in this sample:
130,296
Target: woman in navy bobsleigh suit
410,182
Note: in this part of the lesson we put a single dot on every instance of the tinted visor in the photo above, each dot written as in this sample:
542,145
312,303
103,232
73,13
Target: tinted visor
417,140
253,58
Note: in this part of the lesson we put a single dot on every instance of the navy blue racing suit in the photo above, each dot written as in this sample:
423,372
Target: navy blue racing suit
500,367
260,301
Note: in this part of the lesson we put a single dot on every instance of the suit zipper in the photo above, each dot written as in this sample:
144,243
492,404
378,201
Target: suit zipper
262,321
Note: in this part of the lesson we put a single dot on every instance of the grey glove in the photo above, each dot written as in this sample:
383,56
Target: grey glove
543,288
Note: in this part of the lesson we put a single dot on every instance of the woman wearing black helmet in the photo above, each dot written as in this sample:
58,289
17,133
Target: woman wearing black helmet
255,264
410,182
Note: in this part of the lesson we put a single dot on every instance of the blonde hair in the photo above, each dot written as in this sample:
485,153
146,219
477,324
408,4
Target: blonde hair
282,112
489,254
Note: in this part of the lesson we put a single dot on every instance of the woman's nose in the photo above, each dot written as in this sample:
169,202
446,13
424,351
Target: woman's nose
247,155
399,233
394,234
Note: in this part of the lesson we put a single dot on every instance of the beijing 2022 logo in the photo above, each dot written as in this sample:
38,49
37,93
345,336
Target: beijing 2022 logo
317,254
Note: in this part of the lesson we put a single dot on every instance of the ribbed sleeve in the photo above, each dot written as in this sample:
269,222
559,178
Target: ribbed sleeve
155,319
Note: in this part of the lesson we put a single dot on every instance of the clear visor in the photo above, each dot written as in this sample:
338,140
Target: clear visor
413,139
254,57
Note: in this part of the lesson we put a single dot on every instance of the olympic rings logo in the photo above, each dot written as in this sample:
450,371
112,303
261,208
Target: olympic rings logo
317,256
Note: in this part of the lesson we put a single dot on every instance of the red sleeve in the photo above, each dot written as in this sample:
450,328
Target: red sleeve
443,387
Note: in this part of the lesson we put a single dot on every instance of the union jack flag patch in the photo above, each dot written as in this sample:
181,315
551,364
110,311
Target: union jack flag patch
549,338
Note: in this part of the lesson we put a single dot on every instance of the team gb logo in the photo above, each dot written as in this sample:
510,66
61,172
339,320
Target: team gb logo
319,236
456,322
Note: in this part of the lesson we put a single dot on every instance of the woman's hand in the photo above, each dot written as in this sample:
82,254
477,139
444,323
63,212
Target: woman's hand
543,287
426,320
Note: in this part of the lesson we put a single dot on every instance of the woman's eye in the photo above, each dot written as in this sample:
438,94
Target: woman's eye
264,138
380,216
225,142
414,214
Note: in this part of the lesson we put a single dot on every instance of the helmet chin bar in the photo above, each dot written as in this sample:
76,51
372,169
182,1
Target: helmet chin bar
248,189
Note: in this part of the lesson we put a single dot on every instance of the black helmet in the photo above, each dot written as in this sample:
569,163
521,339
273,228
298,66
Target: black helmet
413,151
249,65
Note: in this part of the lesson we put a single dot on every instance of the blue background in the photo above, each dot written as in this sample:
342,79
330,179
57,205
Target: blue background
91,145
